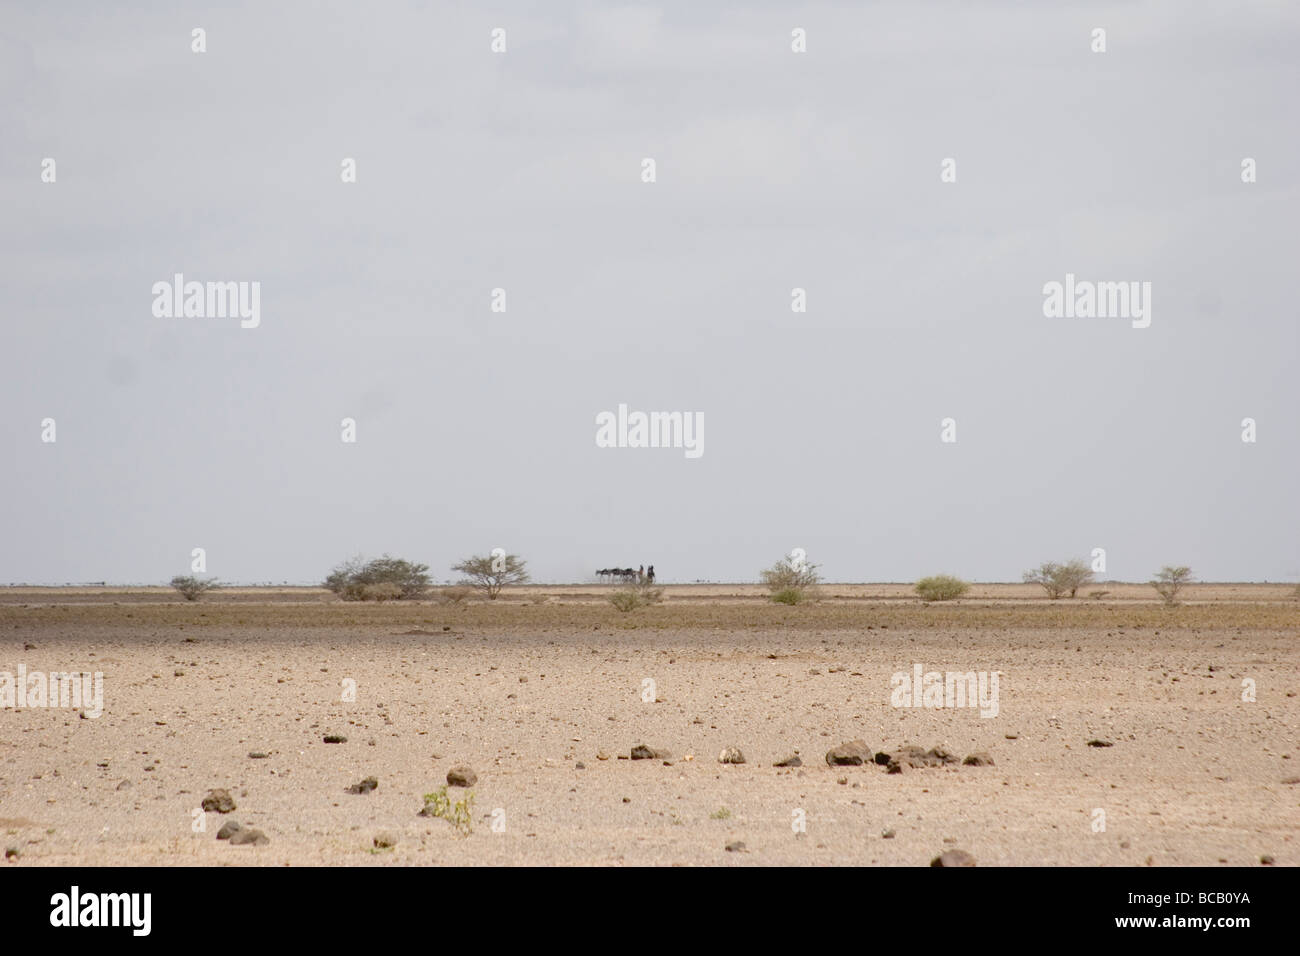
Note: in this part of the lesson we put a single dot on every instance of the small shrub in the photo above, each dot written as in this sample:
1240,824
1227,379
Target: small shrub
791,582
631,598
192,588
455,595
941,587
722,813
458,814
1170,581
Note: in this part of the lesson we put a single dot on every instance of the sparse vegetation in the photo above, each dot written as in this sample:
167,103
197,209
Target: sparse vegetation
941,587
492,573
1060,579
455,595
192,588
791,582
383,579
722,813
459,814
1170,580
639,595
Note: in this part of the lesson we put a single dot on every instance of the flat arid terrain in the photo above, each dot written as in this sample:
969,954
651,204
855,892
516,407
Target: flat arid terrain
1115,731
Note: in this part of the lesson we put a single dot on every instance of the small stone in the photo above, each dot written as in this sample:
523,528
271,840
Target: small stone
244,836
790,761
385,840
642,752
731,755
257,755
461,776
218,801
229,829
953,858
853,753
12,853
737,847
888,834
1100,743
978,759
335,739
601,755
1266,859
579,766
364,786
124,785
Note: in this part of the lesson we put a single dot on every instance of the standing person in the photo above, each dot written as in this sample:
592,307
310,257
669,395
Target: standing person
640,574
650,575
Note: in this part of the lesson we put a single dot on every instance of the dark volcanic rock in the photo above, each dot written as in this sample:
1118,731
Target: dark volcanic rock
461,776
249,837
229,829
365,786
1100,743
853,753
642,752
915,757
790,761
218,801
953,858
335,739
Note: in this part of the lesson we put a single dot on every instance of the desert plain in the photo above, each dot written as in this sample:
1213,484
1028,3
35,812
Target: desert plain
1126,732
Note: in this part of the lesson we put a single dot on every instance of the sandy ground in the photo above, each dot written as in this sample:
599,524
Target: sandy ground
525,689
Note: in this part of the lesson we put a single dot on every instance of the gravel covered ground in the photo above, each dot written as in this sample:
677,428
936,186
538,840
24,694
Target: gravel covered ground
545,692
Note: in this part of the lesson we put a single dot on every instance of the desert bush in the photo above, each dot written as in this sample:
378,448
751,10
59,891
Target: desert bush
941,587
458,814
192,588
490,574
387,591
1170,580
1060,579
631,598
791,583
361,580
788,596
455,594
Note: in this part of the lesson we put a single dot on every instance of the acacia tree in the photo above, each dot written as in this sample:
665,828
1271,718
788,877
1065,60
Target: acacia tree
1170,581
385,578
491,573
1058,579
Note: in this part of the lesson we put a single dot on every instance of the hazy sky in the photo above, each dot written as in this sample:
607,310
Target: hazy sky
523,171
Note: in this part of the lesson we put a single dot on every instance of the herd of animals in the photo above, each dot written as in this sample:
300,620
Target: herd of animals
641,575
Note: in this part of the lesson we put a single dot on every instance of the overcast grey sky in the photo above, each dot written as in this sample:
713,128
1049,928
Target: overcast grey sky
523,170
